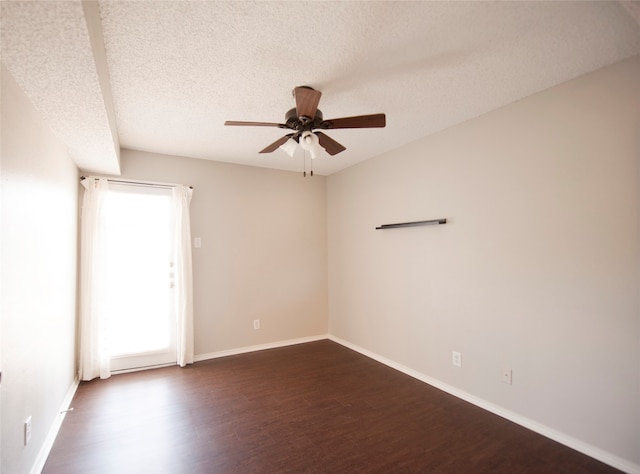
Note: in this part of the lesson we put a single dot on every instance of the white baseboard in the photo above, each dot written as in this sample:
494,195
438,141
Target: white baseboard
585,448
43,454
260,347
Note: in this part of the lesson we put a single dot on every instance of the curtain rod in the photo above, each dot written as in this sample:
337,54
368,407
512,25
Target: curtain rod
137,183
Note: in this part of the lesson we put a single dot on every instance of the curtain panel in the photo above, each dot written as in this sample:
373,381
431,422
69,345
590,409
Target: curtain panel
181,196
94,352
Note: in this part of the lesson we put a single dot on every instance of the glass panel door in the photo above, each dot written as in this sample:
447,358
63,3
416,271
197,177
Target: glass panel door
141,319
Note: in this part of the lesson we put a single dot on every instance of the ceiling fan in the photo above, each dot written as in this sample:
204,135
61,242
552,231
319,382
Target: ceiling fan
305,118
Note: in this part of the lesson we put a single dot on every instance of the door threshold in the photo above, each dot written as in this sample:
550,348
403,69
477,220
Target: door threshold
138,369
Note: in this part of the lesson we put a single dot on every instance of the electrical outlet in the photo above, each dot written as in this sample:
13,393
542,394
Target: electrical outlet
256,324
456,359
27,431
506,376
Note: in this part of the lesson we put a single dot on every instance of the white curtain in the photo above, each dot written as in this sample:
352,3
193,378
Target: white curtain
183,277
94,352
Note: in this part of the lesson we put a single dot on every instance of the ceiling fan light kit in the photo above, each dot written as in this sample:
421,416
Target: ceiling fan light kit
311,143
289,147
304,119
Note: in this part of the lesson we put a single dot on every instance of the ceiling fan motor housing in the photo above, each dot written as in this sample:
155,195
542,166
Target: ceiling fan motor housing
302,123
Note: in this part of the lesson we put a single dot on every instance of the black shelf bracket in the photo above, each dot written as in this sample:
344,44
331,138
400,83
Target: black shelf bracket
412,224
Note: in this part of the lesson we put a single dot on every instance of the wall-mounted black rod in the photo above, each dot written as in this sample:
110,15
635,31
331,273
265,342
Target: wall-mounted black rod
413,224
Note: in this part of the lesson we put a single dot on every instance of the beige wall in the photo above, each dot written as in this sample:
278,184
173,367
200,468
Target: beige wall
264,249
39,188
537,269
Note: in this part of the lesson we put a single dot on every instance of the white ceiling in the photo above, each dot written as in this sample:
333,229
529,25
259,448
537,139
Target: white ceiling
174,71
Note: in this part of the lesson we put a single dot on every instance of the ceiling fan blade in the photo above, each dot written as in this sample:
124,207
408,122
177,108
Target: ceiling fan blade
274,146
255,124
360,121
329,144
307,101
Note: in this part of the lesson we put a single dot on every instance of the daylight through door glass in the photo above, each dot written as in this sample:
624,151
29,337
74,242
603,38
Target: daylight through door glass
138,242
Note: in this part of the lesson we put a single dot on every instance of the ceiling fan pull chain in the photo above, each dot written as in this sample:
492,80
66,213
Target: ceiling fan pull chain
304,163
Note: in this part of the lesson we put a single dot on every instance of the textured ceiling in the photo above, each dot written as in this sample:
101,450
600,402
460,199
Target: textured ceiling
177,70
47,47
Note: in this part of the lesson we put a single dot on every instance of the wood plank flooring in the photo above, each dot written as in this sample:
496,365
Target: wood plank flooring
310,408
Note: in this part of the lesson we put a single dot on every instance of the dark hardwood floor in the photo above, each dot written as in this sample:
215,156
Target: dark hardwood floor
315,408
